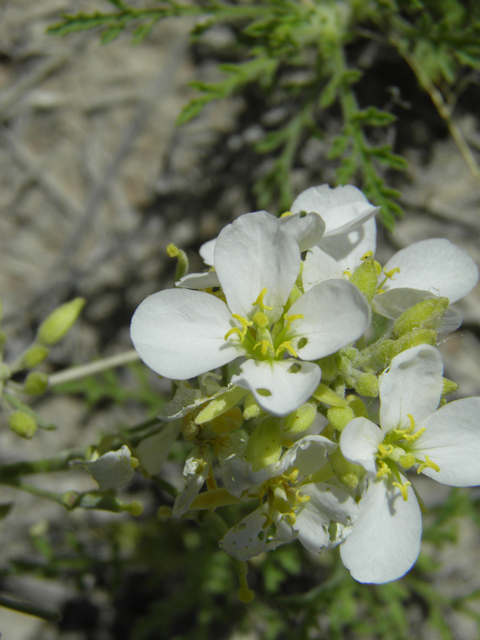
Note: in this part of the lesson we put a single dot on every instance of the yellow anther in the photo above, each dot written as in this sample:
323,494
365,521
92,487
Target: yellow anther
241,332
293,475
287,213
392,272
285,346
383,469
290,319
347,273
413,436
292,517
232,331
384,450
264,346
172,250
301,498
260,302
428,463
260,319
367,255
403,488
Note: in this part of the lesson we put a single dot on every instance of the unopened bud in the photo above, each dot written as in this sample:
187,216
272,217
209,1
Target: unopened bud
449,386
427,314
365,278
251,409
60,321
265,444
23,424
367,385
220,404
301,419
33,356
339,417
328,367
415,338
35,383
347,472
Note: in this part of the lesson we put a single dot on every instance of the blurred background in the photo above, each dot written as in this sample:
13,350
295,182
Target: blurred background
96,180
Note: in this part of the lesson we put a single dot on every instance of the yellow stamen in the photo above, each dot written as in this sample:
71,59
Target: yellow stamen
383,469
260,302
290,319
241,332
369,254
264,345
285,346
392,272
403,488
347,273
428,463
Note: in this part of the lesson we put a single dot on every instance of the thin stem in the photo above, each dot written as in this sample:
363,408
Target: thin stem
48,465
92,368
30,609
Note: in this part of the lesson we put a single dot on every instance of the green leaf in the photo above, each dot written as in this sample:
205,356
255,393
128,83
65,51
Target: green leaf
374,117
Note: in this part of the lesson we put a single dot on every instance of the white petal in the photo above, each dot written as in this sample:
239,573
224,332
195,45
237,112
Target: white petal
154,451
112,470
342,208
254,253
205,280
307,230
248,539
308,455
280,386
195,472
207,251
412,385
452,441
434,265
319,266
451,321
180,333
327,504
359,443
385,541
335,314
349,248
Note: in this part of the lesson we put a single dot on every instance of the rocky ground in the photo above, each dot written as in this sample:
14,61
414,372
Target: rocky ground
96,180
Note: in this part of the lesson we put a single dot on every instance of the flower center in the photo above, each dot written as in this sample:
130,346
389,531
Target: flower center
261,340
395,449
283,497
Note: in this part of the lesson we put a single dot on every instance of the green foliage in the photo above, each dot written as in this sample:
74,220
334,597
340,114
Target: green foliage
299,55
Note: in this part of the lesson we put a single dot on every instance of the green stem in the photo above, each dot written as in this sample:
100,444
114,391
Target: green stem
92,368
59,463
30,609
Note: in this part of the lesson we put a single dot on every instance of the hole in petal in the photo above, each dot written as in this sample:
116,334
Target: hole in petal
261,535
264,392
332,530
302,214
295,368
302,343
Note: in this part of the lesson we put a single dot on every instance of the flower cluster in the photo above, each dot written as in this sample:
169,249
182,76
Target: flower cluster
285,309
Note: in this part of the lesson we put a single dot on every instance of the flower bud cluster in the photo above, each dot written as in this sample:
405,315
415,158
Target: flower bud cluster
285,309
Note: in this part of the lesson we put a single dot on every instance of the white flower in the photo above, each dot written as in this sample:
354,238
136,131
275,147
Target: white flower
182,333
350,231
444,444
434,267
293,504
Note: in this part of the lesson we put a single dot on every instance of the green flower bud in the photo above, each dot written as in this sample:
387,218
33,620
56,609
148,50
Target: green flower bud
251,408
5,372
367,385
328,367
365,278
35,383
221,404
347,472
33,356
301,419
265,444
339,417
60,321
23,424
415,338
328,396
427,314
449,386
